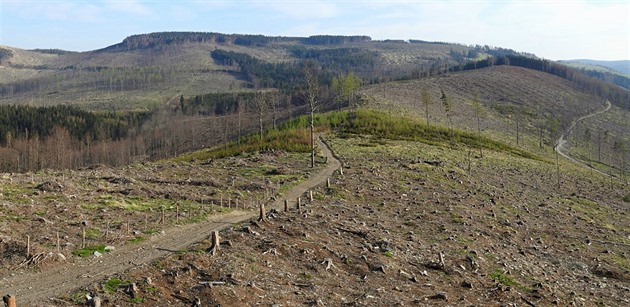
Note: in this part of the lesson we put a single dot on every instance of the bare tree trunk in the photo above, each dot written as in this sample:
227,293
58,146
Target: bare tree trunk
312,139
312,87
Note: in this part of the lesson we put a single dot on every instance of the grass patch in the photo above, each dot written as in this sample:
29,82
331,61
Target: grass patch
93,233
503,278
112,284
137,239
151,231
294,136
306,275
388,254
89,250
627,198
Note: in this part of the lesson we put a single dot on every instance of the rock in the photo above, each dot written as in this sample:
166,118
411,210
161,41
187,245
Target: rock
109,248
97,254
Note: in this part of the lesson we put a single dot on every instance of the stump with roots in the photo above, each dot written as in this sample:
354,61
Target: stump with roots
263,214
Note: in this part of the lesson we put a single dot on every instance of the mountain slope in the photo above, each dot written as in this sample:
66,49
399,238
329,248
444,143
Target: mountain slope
146,70
621,66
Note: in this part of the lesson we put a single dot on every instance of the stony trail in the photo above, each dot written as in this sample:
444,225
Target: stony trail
561,141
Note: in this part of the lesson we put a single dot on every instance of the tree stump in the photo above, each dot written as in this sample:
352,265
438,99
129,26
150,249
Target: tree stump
286,205
263,216
214,248
9,300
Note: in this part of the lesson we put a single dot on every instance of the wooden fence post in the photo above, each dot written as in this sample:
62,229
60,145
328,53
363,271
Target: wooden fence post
286,205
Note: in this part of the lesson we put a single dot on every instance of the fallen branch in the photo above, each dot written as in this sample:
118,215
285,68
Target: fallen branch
329,264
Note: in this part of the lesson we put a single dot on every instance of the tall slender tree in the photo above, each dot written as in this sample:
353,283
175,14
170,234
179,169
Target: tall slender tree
478,114
312,89
426,100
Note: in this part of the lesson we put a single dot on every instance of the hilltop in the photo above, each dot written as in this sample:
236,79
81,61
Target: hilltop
621,66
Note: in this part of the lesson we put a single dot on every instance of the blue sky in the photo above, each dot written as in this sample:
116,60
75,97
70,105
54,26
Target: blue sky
556,29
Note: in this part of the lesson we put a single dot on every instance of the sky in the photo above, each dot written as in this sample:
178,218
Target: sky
552,29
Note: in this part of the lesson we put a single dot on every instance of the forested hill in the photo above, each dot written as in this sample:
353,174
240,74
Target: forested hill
151,40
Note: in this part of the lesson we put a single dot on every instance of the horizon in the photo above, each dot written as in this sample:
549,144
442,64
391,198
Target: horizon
556,30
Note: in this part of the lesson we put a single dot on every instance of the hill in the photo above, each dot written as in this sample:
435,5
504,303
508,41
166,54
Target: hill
621,66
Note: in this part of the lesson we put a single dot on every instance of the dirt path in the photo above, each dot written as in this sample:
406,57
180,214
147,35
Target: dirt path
36,288
561,141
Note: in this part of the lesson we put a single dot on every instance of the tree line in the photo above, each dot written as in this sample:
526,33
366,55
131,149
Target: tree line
153,40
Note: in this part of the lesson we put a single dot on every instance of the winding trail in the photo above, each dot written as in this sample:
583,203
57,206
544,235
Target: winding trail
37,288
560,149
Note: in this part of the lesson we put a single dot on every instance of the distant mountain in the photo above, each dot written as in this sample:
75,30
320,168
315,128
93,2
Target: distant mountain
622,66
